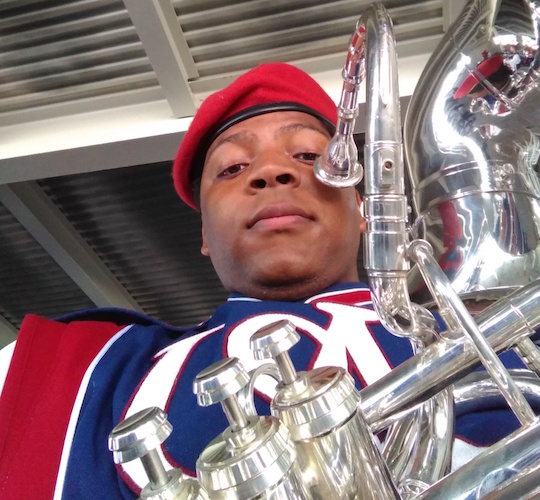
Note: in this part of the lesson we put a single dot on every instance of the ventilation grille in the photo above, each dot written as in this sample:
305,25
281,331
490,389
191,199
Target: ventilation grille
135,222
62,51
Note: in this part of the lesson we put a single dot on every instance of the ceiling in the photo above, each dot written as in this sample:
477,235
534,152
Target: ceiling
95,96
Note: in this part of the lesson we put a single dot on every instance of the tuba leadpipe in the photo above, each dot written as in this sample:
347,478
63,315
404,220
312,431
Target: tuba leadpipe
372,47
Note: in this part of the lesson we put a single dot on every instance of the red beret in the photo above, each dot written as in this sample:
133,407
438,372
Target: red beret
264,89
486,68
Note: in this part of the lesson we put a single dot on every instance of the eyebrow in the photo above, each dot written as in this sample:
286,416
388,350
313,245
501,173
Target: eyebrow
249,136
301,126
237,137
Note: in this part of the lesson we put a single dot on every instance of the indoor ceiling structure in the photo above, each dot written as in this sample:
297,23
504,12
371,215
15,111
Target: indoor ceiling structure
95,96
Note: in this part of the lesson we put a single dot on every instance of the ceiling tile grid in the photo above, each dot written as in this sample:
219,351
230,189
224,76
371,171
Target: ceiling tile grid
71,51
150,241
30,280
56,52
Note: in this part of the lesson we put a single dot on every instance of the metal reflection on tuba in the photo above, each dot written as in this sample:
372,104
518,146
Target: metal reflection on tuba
472,147
471,136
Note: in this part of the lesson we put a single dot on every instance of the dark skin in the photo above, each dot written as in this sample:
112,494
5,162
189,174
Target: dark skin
271,229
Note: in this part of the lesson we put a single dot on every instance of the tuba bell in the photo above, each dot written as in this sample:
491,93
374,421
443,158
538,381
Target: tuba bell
471,139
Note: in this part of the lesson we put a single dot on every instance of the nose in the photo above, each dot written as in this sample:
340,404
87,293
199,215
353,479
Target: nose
273,173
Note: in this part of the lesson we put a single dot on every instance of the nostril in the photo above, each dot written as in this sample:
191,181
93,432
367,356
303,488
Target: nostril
259,183
284,178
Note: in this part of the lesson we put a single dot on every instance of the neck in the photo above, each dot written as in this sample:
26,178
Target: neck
289,292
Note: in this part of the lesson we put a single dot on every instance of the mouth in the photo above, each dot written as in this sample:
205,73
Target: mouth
279,216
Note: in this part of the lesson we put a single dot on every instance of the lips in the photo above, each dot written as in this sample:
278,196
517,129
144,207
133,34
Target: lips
279,214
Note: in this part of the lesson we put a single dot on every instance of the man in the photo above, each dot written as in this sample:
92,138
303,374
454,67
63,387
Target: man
282,243
513,59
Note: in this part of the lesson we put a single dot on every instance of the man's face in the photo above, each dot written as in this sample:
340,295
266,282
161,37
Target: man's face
270,228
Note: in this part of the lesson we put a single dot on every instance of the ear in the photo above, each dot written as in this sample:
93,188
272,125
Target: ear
360,205
204,247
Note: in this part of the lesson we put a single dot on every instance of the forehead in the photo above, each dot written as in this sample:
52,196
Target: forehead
277,122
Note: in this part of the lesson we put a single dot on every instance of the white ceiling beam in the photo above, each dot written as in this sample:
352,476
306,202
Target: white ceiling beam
43,220
163,40
8,333
93,158
88,142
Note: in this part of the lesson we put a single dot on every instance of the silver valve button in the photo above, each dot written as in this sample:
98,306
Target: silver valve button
254,456
274,341
220,383
139,434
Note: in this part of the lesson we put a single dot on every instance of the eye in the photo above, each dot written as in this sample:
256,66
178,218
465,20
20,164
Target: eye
307,157
232,170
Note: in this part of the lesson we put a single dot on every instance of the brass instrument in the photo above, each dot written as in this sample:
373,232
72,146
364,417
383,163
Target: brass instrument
472,148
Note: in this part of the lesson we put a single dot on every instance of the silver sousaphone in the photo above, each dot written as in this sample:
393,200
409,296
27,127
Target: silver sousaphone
472,149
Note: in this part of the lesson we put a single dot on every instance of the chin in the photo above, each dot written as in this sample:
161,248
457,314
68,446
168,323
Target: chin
287,273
